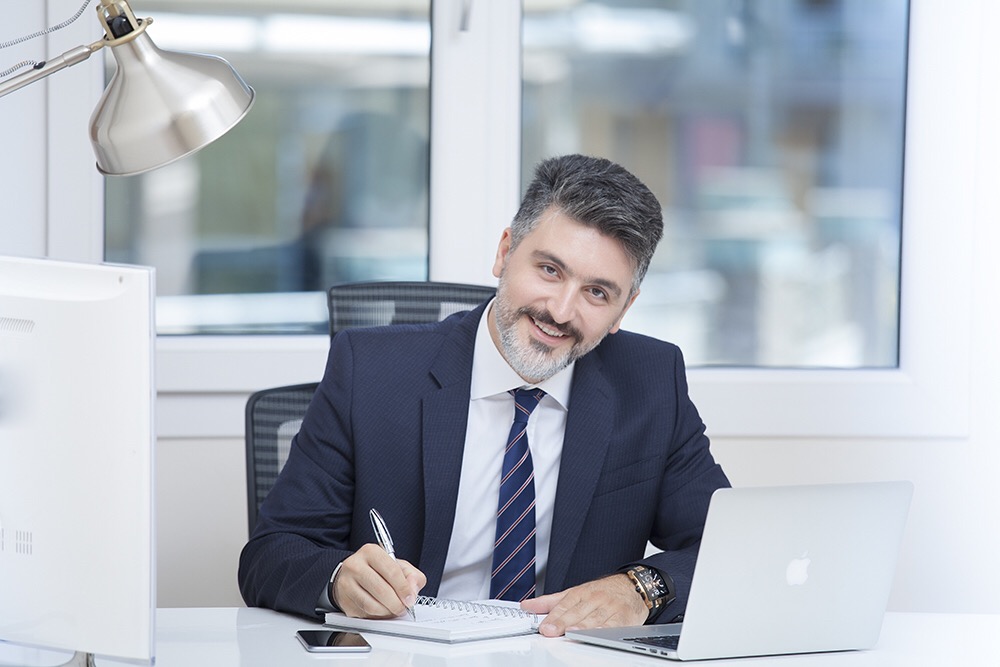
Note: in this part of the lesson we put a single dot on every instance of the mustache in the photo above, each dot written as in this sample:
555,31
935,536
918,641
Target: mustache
545,318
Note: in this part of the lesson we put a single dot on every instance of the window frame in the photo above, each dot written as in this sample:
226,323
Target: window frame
203,381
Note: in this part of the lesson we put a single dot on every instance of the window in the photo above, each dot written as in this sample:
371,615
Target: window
325,181
772,133
475,165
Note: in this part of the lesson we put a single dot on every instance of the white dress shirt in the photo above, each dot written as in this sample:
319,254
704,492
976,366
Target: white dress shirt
491,413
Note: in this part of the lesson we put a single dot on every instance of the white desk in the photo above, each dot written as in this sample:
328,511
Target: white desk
261,638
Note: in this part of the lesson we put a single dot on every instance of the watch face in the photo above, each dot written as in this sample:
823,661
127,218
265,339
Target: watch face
653,583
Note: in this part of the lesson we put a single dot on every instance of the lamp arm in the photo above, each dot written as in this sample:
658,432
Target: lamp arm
72,57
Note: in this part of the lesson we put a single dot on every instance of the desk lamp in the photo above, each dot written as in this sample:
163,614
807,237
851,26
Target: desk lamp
160,105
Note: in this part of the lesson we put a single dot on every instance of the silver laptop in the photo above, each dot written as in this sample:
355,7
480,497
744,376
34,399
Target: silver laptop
794,569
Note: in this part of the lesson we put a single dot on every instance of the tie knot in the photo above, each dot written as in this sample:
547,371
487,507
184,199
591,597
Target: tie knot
525,401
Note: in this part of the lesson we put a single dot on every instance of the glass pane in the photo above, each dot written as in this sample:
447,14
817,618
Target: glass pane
772,133
325,181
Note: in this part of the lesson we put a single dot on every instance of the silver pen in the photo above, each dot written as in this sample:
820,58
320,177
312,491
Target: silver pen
385,541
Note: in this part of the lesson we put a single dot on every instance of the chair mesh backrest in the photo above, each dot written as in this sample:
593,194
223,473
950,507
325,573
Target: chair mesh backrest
273,417
377,303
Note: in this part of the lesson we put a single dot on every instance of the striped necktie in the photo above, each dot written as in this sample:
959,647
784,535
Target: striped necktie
513,575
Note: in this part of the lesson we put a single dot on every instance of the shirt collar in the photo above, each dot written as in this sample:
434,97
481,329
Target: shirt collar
492,375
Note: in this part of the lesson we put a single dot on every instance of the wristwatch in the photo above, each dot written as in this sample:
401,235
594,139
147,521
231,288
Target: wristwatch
655,590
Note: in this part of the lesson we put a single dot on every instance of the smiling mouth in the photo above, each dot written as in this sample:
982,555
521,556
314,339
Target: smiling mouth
547,329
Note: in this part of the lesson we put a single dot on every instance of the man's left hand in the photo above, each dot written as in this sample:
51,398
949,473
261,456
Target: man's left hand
608,602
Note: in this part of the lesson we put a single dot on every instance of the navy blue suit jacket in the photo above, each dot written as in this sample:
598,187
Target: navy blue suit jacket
386,429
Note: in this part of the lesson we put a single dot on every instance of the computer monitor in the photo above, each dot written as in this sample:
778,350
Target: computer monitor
77,568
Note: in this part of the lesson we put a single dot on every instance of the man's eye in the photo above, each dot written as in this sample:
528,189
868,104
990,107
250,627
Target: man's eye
551,270
599,293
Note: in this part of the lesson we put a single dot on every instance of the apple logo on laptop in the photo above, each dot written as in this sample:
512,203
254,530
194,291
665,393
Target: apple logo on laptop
797,571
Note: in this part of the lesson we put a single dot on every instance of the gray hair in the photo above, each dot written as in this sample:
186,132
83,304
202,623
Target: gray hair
600,194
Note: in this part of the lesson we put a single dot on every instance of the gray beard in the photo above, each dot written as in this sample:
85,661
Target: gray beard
535,362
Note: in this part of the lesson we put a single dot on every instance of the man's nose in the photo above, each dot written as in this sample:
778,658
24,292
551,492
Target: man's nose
562,304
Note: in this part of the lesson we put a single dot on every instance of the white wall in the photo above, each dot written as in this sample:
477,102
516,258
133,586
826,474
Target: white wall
201,521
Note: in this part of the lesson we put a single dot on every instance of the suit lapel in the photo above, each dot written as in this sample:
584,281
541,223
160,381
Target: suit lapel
444,422
444,419
585,445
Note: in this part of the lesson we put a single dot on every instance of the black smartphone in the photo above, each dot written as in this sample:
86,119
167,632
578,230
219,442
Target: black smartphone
332,641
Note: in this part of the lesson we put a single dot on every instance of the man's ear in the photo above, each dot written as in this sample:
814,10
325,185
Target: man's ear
618,323
503,249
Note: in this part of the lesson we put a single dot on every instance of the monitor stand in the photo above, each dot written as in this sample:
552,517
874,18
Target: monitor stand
80,659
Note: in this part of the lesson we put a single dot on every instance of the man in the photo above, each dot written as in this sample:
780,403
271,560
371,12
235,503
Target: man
415,421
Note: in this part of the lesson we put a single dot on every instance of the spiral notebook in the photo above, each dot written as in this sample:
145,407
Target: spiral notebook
450,621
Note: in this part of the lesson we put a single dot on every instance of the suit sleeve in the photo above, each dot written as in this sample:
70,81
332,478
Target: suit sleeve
690,477
304,526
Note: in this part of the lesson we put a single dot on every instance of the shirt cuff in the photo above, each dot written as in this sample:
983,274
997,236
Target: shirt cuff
325,602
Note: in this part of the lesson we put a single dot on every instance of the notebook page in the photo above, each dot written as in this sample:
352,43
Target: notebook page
446,620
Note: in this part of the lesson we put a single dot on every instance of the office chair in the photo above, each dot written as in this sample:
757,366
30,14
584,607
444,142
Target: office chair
274,415
366,304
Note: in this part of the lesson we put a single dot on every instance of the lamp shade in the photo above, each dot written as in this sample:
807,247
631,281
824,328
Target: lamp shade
163,105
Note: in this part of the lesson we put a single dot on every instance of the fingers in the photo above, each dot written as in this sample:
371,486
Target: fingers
543,604
608,602
415,579
371,584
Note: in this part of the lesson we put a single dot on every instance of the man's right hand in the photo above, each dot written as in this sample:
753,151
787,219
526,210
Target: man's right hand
371,584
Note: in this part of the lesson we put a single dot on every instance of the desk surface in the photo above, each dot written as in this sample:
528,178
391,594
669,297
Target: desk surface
239,637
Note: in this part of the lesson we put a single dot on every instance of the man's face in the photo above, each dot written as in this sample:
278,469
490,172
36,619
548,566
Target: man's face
561,291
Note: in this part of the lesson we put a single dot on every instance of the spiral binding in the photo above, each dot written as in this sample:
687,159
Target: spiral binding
480,608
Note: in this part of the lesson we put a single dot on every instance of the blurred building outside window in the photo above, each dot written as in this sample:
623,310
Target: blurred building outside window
325,181
772,133
770,130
